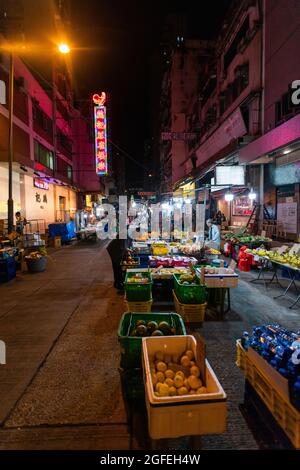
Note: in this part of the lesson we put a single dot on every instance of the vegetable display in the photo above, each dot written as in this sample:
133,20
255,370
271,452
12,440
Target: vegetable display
176,375
152,328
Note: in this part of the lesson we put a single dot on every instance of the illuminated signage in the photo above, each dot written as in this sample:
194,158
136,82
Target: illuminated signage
41,184
100,133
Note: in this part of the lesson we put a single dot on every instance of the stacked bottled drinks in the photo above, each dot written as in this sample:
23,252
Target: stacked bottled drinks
281,348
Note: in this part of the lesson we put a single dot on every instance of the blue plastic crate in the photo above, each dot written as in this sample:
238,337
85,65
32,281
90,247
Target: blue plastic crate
8,269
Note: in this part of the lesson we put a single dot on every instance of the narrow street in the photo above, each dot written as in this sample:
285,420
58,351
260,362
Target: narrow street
61,388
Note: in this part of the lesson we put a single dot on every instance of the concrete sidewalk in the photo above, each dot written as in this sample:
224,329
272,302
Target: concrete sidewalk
62,354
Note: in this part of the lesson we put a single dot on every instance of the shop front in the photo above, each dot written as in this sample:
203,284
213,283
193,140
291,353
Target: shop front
278,155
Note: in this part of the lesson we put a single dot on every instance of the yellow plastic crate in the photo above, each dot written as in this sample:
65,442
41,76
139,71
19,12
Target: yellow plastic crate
270,389
138,306
187,415
160,250
191,313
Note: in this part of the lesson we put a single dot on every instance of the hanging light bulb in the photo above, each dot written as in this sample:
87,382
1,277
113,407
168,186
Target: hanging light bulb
252,194
228,196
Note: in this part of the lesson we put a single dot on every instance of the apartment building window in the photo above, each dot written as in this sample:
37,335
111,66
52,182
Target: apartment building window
43,155
65,144
234,89
70,172
42,124
233,48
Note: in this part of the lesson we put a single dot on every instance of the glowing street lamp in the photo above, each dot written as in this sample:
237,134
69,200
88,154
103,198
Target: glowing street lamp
64,48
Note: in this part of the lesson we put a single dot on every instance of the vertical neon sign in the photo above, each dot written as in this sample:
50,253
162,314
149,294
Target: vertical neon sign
100,134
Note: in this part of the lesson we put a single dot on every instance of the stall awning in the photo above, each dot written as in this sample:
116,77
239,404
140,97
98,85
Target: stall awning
280,136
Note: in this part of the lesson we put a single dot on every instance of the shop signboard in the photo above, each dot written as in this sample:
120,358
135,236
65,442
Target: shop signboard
100,123
242,206
186,136
287,215
41,184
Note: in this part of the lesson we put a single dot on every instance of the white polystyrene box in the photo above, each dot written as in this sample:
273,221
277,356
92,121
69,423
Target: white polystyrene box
186,415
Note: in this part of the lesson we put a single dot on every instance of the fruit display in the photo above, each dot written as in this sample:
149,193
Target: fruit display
212,251
175,375
171,261
130,260
152,328
287,259
191,249
161,272
188,279
37,254
138,278
245,238
160,248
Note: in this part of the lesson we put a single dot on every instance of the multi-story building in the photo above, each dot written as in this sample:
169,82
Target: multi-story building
222,102
277,151
53,145
177,98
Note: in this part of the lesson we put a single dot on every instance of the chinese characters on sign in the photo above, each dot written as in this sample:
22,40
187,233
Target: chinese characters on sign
100,134
39,199
178,136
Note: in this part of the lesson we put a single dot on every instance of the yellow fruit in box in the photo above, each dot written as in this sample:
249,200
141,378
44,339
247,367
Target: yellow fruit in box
161,366
195,371
189,354
182,391
179,372
194,382
185,361
169,374
186,384
178,381
202,390
169,382
163,390
172,391
160,376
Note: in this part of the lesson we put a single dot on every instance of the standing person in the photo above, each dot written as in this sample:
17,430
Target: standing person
116,250
219,218
214,237
20,223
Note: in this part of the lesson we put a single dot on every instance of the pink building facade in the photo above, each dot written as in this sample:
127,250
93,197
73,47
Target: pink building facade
52,144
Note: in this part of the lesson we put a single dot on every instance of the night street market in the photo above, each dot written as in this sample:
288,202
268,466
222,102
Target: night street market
149,232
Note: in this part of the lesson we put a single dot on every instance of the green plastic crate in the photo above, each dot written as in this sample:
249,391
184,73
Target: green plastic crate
189,294
138,292
131,346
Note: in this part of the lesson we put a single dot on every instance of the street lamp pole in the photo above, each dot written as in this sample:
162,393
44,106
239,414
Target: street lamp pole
10,202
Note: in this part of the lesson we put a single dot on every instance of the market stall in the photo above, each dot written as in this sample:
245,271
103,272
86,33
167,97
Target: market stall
269,359
287,262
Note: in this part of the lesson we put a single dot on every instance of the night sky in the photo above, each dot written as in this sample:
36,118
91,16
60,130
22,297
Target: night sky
117,43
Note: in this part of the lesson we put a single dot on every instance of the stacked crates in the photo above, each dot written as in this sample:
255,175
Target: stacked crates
131,349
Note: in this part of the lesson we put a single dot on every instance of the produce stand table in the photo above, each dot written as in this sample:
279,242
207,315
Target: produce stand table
265,268
293,275
235,247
